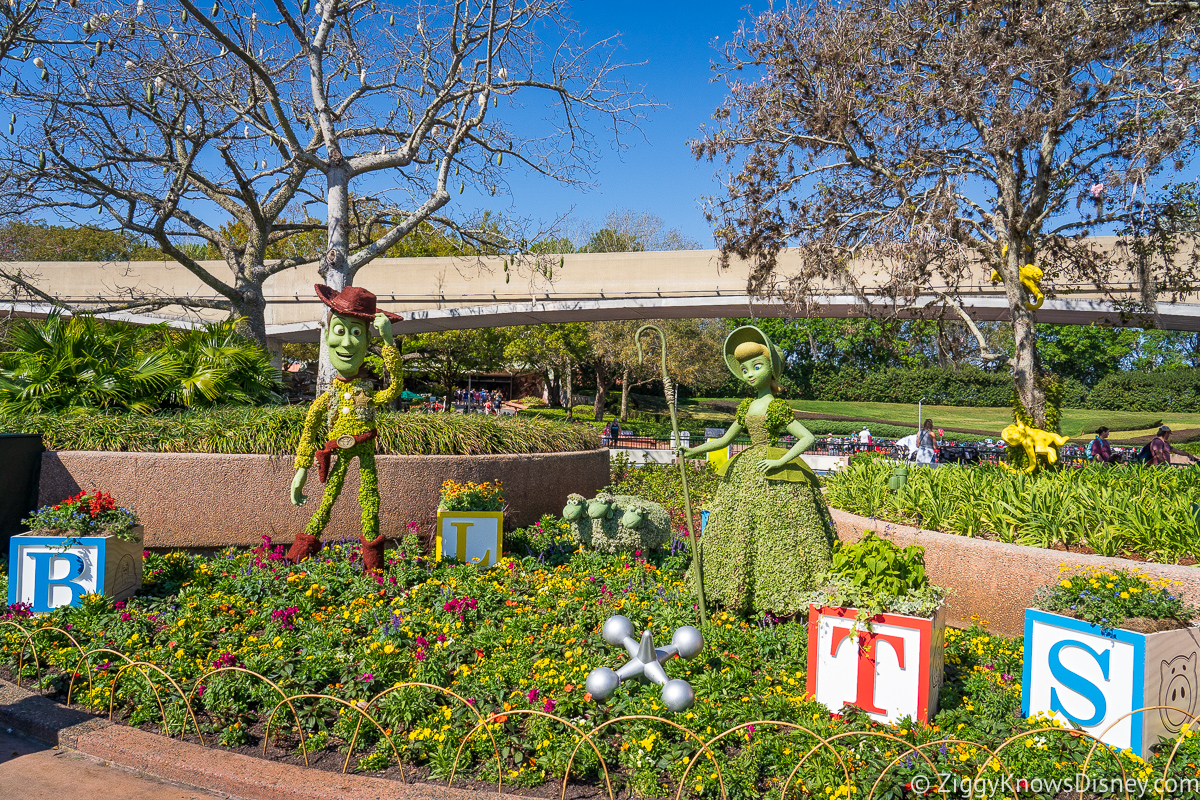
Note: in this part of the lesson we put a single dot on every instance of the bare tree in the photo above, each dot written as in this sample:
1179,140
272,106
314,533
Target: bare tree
19,22
938,141
170,117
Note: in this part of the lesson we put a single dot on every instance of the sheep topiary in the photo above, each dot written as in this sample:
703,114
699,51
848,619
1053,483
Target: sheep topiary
617,523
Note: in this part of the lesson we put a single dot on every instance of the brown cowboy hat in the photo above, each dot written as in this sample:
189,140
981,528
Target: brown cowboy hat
353,301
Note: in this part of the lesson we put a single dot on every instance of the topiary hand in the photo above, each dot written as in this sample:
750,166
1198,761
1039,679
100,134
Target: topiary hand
383,326
768,464
298,496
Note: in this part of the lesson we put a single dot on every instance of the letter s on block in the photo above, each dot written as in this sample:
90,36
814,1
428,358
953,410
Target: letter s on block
1077,683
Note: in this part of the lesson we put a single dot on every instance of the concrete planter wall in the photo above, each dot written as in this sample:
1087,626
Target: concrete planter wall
211,500
995,581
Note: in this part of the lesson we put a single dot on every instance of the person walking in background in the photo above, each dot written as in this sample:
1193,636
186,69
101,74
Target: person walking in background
926,446
864,436
1099,449
1160,448
614,433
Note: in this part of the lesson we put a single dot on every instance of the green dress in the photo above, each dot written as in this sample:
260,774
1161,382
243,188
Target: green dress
768,536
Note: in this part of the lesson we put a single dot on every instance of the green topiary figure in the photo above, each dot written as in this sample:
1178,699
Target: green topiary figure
617,523
769,532
347,412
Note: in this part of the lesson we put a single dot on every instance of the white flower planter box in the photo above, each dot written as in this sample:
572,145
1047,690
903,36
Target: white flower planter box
472,537
46,572
1101,679
892,671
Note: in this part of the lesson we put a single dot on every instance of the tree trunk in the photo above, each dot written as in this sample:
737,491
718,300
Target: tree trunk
553,390
625,378
251,310
603,382
1027,363
335,268
568,382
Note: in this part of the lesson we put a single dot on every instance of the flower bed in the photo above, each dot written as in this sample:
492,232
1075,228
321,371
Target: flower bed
514,645
1112,511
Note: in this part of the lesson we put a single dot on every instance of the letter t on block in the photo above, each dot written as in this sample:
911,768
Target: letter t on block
867,643
43,585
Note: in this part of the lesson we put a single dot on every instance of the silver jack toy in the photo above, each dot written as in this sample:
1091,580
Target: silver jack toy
645,663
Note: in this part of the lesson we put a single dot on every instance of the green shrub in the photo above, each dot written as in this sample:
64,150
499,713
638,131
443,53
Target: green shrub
1176,390
1111,510
275,430
875,576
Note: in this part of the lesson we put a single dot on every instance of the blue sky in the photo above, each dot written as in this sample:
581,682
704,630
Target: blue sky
656,173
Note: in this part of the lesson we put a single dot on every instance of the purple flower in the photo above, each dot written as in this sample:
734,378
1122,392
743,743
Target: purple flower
548,706
366,677
533,694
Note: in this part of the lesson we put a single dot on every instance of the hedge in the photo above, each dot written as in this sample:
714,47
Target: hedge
968,386
1176,390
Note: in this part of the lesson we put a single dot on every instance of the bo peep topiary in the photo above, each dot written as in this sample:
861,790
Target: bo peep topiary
617,523
769,533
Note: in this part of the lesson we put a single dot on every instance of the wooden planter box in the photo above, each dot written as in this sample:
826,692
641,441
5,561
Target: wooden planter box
472,537
1100,679
46,574
892,671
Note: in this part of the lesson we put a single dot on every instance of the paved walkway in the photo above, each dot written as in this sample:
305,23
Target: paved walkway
31,771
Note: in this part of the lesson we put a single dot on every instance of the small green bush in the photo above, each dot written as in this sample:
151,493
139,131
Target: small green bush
1176,390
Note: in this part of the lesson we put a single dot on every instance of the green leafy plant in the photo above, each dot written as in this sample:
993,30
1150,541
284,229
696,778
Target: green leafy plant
1111,597
1111,510
85,514
875,576
274,430
80,363
877,564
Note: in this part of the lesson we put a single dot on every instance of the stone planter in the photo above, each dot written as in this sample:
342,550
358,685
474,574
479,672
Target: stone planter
471,537
52,571
895,671
1100,679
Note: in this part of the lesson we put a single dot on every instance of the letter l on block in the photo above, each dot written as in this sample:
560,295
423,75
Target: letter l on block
42,584
865,693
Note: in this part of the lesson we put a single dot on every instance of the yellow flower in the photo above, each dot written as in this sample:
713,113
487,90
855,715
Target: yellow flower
1124,595
1065,584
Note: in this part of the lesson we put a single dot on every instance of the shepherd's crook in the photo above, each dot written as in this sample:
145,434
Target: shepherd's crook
669,389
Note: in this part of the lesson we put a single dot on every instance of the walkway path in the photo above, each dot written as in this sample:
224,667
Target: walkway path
32,771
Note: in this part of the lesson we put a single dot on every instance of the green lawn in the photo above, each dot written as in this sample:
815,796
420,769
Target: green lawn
1077,422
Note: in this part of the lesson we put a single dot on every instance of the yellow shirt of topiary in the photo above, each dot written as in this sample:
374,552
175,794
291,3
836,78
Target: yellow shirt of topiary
353,409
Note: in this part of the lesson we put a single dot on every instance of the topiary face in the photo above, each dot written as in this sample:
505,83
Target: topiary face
347,338
599,507
633,517
574,508
757,372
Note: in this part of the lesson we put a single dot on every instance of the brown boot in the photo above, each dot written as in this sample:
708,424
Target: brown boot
372,553
306,545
